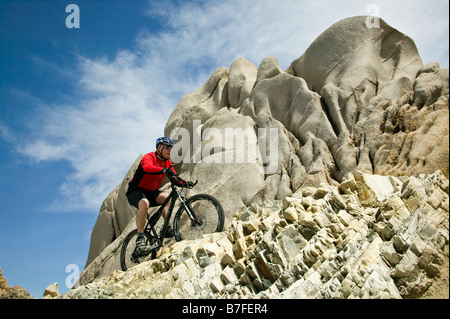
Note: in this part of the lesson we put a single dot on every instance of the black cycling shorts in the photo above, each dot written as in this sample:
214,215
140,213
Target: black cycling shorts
137,194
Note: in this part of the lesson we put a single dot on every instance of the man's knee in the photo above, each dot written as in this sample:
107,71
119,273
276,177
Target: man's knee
161,198
144,203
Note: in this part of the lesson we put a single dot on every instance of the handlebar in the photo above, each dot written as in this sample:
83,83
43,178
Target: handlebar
176,180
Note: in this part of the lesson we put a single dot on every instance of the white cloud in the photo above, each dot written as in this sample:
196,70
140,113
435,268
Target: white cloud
126,101
6,133
221,31
103,134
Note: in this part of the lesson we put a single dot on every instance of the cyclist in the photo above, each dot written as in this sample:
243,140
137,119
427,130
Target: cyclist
143,189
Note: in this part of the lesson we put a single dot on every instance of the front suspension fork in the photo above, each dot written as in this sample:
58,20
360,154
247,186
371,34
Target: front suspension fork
193,217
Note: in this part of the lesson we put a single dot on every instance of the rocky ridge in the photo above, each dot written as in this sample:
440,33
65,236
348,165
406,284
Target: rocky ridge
371,236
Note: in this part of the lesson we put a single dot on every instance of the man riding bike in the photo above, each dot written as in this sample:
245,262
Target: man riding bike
143,189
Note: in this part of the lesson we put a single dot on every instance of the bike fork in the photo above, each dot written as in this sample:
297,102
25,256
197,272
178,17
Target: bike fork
193,217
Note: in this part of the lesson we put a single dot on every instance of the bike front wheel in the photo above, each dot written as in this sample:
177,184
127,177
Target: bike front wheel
129,256
205,216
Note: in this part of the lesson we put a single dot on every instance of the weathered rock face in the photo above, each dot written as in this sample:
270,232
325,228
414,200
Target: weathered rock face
370,236
373,83
358,100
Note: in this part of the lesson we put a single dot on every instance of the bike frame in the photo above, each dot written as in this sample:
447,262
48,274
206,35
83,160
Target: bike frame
152,220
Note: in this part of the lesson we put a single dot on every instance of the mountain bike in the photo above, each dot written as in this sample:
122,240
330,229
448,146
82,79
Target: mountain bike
197,215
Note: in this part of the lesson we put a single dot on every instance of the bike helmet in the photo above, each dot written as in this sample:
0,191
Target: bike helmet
165,141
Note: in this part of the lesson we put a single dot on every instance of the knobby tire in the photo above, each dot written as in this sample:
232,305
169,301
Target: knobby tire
128,247
208,209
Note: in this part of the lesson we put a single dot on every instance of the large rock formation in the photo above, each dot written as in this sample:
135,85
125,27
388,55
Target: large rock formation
359,99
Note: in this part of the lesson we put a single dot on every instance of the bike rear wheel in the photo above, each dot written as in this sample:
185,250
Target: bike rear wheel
209,213
129,257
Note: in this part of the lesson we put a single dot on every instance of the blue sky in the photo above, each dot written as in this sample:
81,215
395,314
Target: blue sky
77,106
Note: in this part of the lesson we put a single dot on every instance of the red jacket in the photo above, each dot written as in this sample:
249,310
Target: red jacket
149,175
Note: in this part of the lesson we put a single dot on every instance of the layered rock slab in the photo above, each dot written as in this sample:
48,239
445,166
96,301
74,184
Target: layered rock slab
353,240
